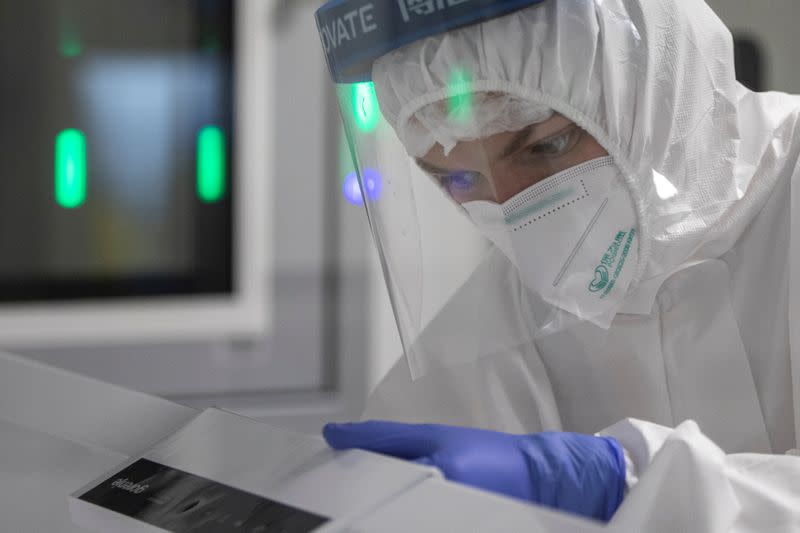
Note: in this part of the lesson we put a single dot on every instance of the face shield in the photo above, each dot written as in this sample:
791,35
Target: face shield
502,199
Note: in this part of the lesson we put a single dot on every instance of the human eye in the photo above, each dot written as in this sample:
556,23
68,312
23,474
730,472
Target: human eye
460,185
558,144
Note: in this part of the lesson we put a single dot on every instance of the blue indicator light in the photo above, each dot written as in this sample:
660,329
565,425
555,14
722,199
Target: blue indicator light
373,183
352,192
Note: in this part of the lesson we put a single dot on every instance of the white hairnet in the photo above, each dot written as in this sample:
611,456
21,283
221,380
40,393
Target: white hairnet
652,80
490,113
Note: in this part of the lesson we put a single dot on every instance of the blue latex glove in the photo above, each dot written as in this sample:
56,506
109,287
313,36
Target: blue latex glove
576,473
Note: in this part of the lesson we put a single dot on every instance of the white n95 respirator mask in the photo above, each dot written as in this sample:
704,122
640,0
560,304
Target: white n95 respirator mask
573,237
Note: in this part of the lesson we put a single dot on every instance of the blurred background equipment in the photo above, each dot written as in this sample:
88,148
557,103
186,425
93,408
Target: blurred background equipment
125,207
156,230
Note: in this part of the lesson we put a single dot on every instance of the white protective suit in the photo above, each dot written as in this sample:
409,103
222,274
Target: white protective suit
699,376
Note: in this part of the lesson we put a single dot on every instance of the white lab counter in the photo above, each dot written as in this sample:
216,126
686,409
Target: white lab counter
435,506
60,432
37,470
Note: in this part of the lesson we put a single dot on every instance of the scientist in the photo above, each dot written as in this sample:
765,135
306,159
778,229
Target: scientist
628,348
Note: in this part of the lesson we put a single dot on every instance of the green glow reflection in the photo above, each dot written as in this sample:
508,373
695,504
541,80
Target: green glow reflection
365,106
460,95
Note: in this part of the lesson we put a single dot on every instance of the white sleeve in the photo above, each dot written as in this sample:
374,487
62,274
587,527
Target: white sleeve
687,483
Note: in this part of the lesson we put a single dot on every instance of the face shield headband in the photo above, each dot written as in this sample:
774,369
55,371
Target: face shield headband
355,33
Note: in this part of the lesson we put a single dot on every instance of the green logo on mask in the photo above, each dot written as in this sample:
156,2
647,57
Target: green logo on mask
600,280
614,259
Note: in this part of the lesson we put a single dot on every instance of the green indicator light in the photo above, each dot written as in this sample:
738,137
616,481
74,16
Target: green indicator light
460,95
70,171
365,106
71,48
210,164
70,43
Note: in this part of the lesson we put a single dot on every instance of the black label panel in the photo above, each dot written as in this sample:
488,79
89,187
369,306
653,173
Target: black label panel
182,502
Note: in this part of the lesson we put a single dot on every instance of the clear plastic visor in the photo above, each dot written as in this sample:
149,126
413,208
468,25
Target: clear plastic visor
500,217
489,242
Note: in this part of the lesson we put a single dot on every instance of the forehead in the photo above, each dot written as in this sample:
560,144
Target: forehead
476,154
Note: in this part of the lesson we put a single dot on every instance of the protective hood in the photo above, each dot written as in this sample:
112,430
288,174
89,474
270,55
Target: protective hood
652,80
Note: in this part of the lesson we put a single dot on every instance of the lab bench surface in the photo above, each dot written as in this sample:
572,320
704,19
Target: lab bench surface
60,431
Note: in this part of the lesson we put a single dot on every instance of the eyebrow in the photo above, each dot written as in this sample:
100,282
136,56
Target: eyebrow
517,142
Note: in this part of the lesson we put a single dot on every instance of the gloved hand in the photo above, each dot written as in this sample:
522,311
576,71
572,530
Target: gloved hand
576,473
